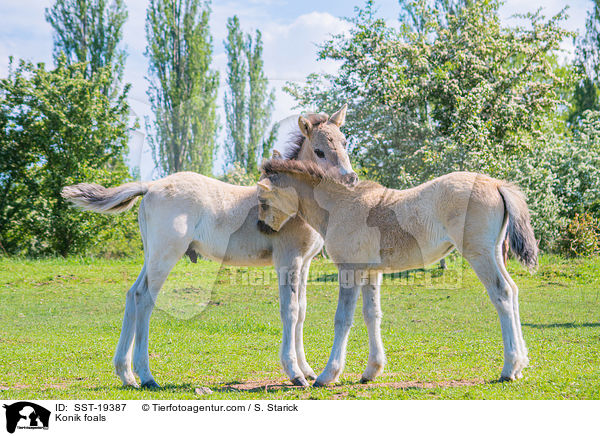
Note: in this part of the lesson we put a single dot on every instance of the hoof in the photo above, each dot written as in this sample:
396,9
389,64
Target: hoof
131,385
300,381
504,378
151,385
311,376
318,384
364,380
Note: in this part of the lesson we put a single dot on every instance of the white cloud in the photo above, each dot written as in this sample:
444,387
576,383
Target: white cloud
291,50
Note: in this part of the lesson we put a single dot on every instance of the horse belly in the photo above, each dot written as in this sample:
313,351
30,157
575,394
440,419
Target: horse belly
413,254
243,247
242,252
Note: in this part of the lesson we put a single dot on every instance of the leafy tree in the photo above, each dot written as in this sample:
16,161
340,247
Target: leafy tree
236,96
587,61
54,130
560,176
585,97
446,91
260,104
588,47
183,88
237,175
90,31
248,102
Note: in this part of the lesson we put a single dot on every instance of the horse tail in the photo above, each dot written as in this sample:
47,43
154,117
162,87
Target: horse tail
97,198
520,232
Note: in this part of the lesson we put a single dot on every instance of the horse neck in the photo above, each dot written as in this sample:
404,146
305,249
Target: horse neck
308,207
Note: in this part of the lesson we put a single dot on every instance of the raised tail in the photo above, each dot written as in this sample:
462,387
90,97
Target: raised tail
520,233
97,198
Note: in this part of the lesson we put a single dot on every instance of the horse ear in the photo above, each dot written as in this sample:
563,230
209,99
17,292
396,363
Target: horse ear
305,126
339,118
276,155
265,184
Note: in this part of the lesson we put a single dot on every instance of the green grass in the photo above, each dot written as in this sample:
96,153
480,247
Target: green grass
60,321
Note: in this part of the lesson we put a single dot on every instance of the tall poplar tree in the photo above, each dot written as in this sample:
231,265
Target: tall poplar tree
90,31
587,62
260,104
183,88
248,101
236,95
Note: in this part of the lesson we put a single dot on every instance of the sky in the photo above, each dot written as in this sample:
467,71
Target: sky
291,31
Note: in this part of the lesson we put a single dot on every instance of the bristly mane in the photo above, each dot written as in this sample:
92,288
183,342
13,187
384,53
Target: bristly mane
317,173
297,138
312,170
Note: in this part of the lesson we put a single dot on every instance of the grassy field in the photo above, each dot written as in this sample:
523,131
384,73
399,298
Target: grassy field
220,328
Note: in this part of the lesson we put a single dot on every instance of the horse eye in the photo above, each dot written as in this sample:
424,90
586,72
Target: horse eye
319,153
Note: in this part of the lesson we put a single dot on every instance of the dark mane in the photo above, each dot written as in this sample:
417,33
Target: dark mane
297,138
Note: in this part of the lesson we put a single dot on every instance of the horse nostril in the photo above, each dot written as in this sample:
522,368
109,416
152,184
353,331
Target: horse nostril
352,179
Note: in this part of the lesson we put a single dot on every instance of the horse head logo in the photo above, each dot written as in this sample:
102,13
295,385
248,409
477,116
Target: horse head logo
26,415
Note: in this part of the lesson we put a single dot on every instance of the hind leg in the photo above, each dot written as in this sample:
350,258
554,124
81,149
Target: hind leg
289,272
302,363
160,264
122,358
503,297
372,315
524,360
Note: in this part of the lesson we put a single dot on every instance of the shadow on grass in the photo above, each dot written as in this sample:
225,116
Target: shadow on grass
564,325
258,386
282,386
404,275
327,278
182,387
418,385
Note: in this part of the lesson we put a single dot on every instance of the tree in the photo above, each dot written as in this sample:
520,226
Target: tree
588,47
236,96
90,31
260,105
248,103
54,130
587,61
183,88
448,90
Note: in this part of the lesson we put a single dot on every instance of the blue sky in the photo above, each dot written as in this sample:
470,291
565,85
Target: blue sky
291,30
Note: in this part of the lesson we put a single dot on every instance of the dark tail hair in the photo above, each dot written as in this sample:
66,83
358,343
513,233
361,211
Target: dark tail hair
520,233
97,198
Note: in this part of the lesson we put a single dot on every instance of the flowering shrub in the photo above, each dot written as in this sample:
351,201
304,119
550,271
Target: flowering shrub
581,237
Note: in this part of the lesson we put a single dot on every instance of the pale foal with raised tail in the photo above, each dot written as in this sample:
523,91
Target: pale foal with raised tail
369,229
187,213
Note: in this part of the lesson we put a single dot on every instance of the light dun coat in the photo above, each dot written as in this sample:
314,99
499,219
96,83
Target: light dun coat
370,229
187,213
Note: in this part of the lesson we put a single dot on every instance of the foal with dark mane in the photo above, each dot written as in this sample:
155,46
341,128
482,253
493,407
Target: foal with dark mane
369,229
